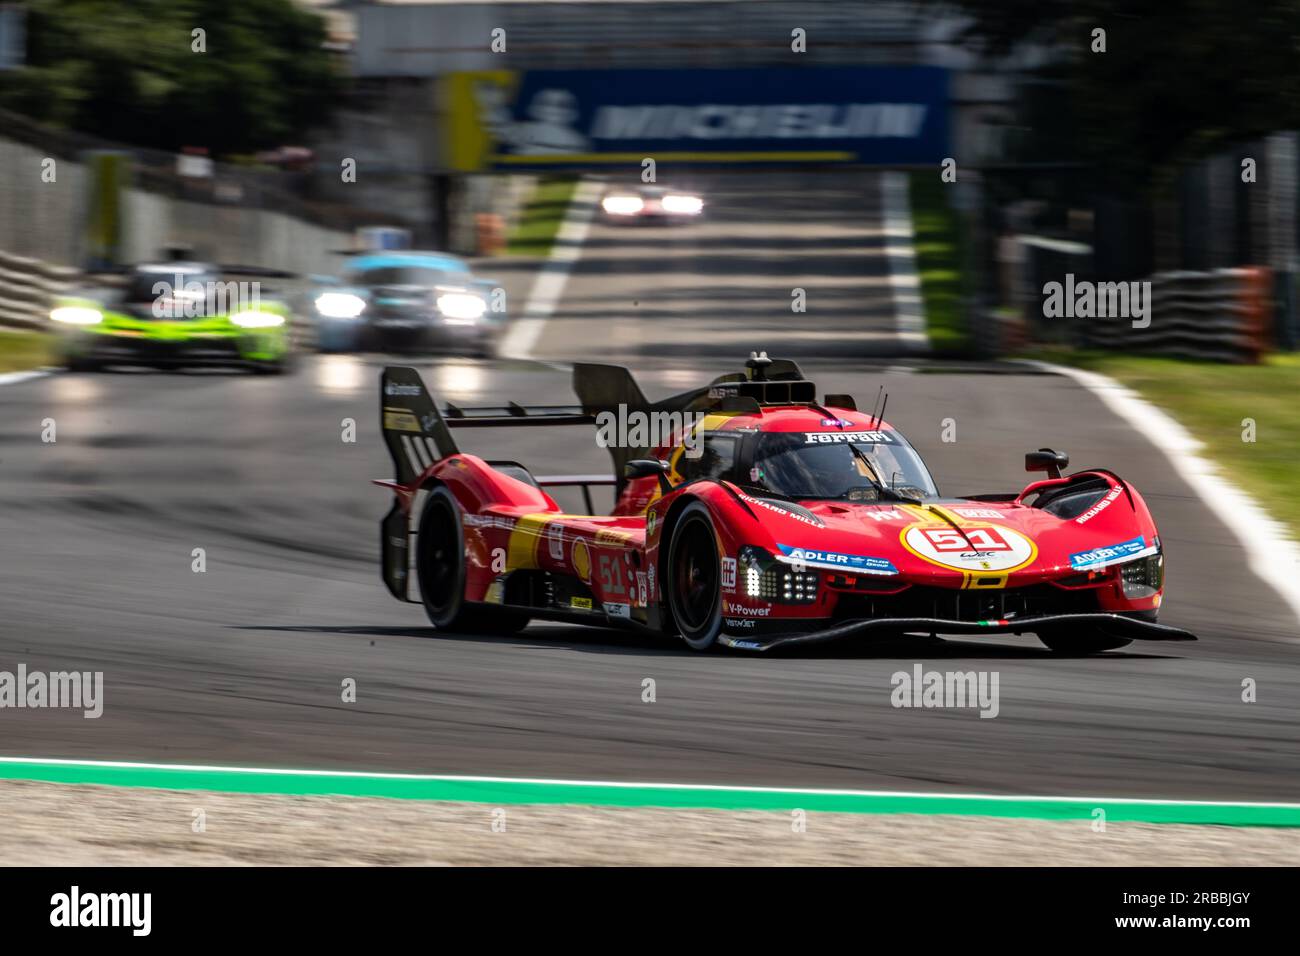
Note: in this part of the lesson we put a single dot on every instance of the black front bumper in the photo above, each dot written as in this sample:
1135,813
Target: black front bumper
426,337
131,350
1118,624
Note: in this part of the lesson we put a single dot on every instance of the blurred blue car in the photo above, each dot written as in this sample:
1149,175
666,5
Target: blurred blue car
405,302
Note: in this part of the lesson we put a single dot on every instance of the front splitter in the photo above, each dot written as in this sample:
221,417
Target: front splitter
1118,624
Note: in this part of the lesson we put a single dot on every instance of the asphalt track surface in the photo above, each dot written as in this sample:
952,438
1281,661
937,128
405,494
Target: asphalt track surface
646,293
243,664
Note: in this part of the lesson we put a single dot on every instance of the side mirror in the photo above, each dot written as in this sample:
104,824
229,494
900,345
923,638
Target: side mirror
1048,460
645,467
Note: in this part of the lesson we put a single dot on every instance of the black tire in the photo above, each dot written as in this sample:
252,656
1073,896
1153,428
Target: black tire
693,575
82,365
1082,641
440,571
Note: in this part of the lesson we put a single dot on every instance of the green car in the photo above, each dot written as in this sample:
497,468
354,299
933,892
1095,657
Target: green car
174,314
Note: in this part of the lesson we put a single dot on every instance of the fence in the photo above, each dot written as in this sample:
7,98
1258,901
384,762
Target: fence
27,290
1223,315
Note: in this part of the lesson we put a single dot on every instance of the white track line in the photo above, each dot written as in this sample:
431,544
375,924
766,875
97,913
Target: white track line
900,255
1270,553
623,784
522,336
13,378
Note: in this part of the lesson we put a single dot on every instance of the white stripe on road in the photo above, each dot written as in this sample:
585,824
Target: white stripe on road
13,378
636,785
522,336
900,254
1270,553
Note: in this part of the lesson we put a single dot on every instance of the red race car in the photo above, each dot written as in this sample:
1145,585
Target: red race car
749,514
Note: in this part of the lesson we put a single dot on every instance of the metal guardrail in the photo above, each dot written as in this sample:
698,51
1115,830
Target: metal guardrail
28,288
1223,315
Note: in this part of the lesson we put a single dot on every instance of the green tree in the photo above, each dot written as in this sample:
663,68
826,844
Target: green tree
1178,80
128,72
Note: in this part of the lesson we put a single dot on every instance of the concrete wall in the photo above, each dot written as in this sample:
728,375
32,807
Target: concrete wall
44,221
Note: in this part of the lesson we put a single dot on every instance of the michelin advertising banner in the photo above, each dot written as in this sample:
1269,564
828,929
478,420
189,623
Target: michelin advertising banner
884,116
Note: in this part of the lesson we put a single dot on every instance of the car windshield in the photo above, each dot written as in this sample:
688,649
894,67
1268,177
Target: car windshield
417,275
824,465
148,286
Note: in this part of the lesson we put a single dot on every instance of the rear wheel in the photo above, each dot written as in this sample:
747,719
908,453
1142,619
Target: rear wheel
694,578
440,570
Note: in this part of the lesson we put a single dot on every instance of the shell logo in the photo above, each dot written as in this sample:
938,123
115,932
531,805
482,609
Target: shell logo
581,560
983,547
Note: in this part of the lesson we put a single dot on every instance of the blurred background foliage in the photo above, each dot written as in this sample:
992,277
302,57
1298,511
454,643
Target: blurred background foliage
127,71
1178,81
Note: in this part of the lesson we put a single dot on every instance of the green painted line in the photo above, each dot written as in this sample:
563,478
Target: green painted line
501,790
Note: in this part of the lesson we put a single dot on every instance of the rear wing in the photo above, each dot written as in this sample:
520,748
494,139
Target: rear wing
414,432
418,433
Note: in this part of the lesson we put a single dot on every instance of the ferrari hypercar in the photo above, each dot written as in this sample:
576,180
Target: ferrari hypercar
406,301
766,518
650,204
171,314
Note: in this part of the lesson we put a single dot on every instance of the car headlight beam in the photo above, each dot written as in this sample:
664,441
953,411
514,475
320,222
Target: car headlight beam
77,315
461,305
340,305
253,319
683,205
622,205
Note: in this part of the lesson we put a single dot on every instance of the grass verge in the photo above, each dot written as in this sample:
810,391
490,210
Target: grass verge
939,264
542,216
1212,400
24,350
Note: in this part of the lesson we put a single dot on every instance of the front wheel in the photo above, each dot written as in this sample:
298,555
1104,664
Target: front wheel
694,577
1082,641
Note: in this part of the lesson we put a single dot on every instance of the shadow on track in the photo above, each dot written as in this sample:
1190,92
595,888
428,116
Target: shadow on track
594,640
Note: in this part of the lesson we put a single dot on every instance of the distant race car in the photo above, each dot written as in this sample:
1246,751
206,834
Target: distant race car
170,314
774,519
406,301
650,204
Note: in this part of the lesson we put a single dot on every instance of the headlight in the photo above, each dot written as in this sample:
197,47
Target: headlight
622,205
1144,577
461,305
77,315
683,205
772,580
340,305
257,320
